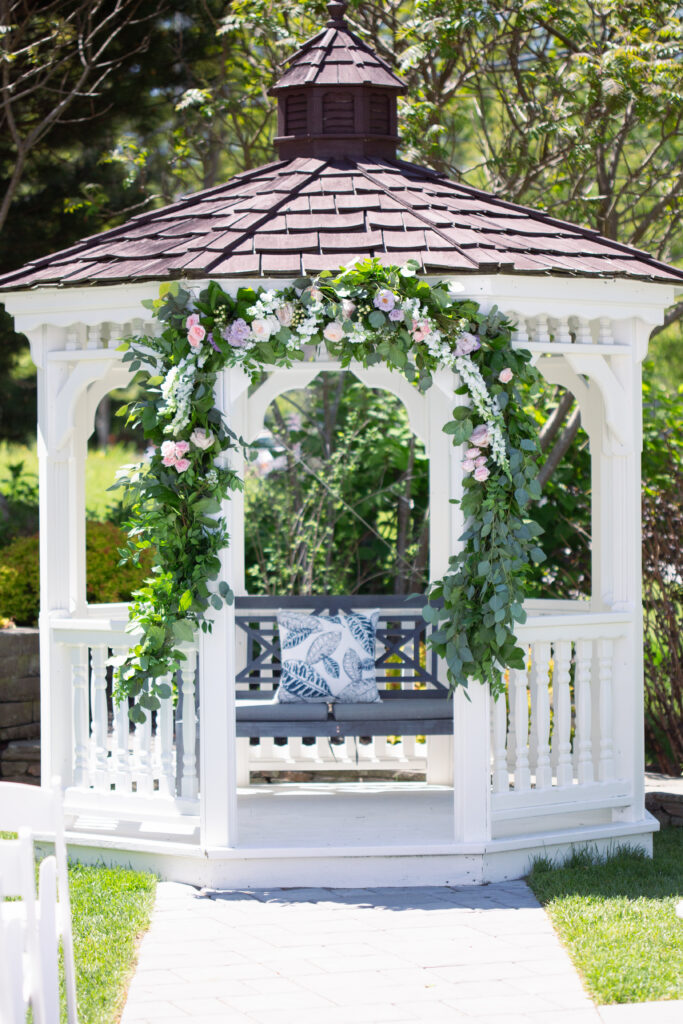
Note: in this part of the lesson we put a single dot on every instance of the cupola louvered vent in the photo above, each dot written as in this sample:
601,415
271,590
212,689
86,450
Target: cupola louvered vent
338,113
296,114
379,114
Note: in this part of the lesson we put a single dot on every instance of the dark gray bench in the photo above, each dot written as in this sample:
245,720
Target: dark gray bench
401,632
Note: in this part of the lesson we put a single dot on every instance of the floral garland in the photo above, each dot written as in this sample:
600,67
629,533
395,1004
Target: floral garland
367,313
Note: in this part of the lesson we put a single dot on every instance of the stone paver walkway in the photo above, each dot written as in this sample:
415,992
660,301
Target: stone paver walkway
485,954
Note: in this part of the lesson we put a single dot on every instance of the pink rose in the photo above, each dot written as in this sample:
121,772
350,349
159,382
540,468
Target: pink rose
196,335
480,436
421,330
168,449
468,465
169,460
334,331
506,375
481,461
181,447
183,464
472,453
481,473
192,320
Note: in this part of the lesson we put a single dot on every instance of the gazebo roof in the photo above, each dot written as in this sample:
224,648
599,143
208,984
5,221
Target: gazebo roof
338,195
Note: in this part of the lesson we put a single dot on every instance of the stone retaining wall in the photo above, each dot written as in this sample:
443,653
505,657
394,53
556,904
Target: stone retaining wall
19,706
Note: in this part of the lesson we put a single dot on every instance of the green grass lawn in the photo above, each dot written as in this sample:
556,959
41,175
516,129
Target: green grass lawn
100,471
110,912
617,918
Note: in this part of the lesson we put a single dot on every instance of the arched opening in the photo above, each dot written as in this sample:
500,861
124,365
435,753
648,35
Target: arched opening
337,494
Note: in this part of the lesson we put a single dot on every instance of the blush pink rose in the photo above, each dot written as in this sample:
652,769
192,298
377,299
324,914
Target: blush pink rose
421,330
468,465
481,473
192,320
472,453
480,436
182,448
506,375
183,464
334,331
481,461
196,335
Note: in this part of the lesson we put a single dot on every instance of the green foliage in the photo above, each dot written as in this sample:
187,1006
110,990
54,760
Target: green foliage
663,573
18,502
343,506
367,313
617,918
106,580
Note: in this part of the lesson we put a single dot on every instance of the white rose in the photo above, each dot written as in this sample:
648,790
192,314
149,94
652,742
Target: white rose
261,329
284,313
334,331
201,438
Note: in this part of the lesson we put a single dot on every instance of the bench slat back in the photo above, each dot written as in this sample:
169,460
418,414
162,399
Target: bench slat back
401,632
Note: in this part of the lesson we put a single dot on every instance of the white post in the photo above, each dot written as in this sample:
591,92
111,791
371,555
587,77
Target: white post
583,753
541,723
218,744
617,556
188,779
562,718
81,720
54,469
98,689
518,695
501,782
471,783
445,527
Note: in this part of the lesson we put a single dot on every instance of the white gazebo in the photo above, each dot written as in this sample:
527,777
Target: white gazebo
561,762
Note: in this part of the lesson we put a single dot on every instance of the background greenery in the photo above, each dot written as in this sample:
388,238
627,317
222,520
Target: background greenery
572,107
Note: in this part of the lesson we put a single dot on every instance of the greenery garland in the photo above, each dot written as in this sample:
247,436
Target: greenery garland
368,313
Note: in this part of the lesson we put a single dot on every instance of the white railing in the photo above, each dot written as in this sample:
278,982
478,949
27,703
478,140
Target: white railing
151,763
553,731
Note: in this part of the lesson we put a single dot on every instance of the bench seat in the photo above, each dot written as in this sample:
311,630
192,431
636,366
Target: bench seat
414,701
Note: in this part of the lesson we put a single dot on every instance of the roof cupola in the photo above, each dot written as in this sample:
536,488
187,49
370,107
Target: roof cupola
337,98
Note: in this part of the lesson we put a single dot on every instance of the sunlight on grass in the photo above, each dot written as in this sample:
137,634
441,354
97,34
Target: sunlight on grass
100,471
617,918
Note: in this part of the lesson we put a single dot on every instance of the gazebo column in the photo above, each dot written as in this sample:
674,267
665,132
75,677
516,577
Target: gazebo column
217,740
61,457
470,745
617,558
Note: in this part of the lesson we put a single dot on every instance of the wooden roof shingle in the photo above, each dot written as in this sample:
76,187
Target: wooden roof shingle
322,214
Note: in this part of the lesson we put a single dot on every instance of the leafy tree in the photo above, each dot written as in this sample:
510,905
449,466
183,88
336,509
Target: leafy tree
342,508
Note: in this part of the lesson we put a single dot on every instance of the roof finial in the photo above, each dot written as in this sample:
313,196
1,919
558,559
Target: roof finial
337,10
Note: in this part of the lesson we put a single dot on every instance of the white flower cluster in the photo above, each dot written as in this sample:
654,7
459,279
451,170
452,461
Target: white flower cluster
483,403
176,390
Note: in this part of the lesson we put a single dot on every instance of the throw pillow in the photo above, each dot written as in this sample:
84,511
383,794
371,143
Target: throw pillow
328,657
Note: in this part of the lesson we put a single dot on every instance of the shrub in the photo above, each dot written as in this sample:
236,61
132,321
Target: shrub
106,579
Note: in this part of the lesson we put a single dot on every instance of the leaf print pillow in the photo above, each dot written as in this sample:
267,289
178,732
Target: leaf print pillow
328,657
